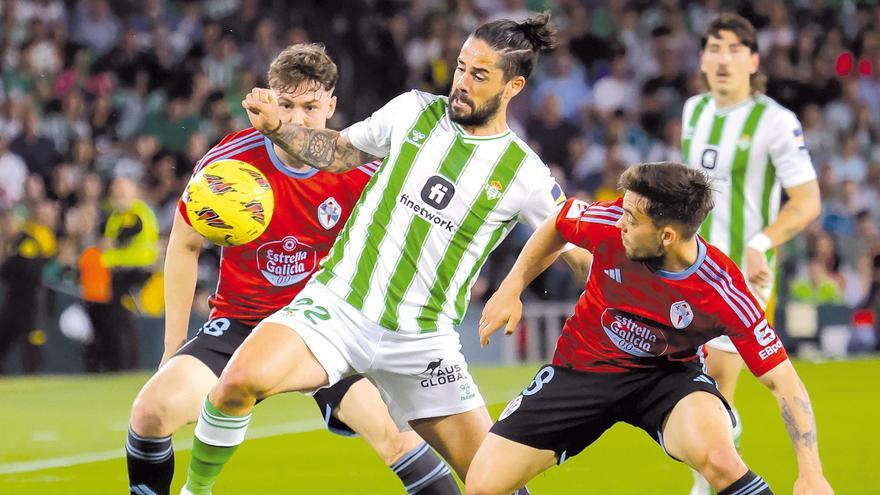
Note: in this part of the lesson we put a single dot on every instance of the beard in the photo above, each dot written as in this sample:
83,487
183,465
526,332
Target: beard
478,115
653,256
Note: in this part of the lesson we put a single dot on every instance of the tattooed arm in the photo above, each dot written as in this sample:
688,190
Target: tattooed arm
797,414
323,149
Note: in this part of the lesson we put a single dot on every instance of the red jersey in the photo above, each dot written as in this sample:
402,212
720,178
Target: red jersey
258,278
632,316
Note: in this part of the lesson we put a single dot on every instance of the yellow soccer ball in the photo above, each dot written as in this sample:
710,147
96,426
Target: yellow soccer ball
229,202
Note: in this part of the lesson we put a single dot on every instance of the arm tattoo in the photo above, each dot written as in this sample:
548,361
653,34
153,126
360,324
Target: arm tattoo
319,148
806,439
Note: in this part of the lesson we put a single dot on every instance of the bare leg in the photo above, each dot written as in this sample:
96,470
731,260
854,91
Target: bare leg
502,466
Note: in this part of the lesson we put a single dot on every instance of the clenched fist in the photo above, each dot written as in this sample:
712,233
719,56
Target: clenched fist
262,110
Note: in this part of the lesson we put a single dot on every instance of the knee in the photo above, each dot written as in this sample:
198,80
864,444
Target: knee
722,466
150,418
480,486
237,385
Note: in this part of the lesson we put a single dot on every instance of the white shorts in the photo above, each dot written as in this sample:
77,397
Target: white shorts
418,375
762,294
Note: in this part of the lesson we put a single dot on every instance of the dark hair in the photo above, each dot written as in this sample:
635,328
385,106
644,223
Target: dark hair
748,36
519,42
675,193
301,63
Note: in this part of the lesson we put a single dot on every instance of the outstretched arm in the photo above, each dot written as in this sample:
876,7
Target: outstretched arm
324,149
797,413
504,308
181,274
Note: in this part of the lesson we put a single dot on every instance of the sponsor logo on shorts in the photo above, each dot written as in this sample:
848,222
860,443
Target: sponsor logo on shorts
634,337
466,392
442,375
512,406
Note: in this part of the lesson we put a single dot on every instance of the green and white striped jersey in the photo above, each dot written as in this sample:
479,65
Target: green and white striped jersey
750,151
441,201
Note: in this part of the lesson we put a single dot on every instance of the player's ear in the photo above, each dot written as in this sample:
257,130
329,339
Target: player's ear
331,107
668,235
756,62
514,86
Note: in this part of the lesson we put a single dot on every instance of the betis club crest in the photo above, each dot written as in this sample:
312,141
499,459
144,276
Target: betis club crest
681,314
328,213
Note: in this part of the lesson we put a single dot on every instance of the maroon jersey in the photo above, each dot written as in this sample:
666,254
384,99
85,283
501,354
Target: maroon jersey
258,278
631,316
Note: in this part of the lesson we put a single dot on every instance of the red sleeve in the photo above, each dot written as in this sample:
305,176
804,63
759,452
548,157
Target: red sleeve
744,319
359,176
585,224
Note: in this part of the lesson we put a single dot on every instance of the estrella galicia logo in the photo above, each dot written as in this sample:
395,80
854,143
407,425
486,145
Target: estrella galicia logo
438,192
441,375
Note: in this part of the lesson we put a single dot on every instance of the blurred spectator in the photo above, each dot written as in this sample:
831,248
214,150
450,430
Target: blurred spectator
32,244
817,286
96,26
14,172
567,82
847,163
820,141
129,248
551,134
617,90
37,151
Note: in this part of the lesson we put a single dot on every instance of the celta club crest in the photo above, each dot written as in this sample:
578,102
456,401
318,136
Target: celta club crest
681,314
217,184
258,177
210,217
329,213
255,208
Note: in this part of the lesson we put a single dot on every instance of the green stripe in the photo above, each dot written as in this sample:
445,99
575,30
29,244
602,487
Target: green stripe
462,298
769,181
225,427
378,227
738,181
453,163
503,172
404,272
714,140
456,159
335,255
688,134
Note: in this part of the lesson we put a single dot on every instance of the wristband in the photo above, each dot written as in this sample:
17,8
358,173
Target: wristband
760,243
273,131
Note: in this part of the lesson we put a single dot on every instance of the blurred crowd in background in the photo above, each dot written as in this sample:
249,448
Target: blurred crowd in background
106,106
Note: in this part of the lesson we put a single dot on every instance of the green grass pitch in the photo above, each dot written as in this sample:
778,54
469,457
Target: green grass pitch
64,435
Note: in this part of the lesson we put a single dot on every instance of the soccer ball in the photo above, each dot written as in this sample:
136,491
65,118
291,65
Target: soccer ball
229,202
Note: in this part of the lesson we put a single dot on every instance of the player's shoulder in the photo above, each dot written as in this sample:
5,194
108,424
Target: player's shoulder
231,146
722,264
691,103
782,118
367,169
414,100
603,212
532,162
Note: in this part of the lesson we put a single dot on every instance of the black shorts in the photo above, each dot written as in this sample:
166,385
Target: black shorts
565,410
216,342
